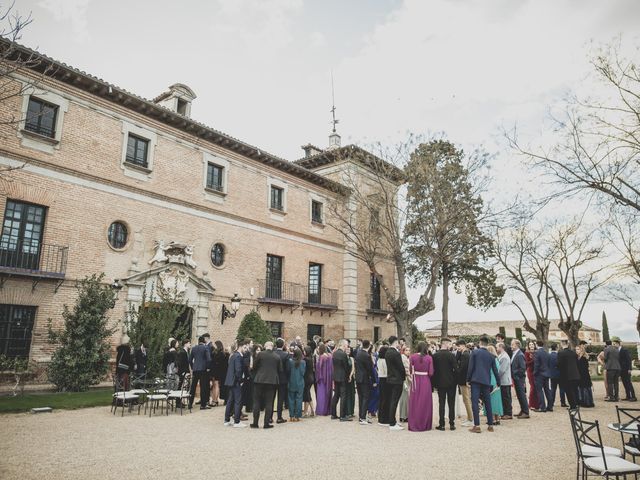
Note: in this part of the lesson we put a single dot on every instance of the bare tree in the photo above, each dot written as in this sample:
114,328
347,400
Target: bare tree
14,61
624,235
598,147
555,269
371,220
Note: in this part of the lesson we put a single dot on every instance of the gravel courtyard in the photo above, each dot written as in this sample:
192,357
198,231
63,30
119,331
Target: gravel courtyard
92,443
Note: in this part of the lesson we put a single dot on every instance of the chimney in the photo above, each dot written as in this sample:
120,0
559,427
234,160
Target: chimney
310,150
178,99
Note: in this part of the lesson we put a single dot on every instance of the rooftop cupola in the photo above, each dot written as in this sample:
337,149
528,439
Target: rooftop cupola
177,99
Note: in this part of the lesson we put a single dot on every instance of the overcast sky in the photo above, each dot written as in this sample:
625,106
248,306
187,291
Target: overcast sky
262,71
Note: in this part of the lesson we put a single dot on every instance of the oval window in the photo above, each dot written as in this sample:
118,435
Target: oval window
217,254
118,235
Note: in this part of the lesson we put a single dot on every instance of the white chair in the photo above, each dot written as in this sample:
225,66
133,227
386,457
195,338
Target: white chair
587,434
154,400
176,397
122,398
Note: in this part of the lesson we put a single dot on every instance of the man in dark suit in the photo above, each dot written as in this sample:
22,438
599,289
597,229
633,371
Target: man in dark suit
519,377
233,382
395,378
340,376
554,377
569,375
200,360
267,369
182,360
283,379
541,377
625,374
444,380
364,380
481,364
209,344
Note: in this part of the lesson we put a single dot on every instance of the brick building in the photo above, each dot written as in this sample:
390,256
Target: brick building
111,182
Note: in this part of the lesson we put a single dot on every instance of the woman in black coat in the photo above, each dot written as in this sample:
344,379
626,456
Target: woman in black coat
124,363
219,362
309,381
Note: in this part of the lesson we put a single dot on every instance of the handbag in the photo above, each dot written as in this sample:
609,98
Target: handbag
123,366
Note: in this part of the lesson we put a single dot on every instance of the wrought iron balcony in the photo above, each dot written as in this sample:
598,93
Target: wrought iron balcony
326,298
289,293
375,304
279,292
45,261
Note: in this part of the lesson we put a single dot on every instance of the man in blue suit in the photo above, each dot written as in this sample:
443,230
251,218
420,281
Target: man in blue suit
554,378
541,378
481,364
200,359
233,382
519,376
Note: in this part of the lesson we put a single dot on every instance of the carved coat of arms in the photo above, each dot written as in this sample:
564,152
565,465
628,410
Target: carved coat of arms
172,282
173,253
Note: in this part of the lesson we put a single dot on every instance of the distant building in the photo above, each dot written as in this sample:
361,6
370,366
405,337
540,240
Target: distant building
463,329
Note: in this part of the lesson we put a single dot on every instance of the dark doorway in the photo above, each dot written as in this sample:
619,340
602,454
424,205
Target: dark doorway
313,330
184,324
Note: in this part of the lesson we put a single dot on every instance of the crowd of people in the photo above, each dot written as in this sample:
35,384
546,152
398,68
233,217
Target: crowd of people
390,382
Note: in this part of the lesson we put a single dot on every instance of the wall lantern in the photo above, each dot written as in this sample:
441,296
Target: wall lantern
235,306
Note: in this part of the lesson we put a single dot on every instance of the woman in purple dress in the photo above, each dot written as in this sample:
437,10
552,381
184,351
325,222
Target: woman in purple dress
420,396
324,381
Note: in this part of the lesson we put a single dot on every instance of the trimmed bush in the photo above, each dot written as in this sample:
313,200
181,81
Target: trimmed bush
252,326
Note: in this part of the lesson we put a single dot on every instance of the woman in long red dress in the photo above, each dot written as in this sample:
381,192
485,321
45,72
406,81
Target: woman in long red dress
421,394
528,358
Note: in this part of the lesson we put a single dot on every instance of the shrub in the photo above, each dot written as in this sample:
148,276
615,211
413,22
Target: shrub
252,326
82,357
155,322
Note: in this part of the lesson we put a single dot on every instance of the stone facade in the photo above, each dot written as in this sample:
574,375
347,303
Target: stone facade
83,180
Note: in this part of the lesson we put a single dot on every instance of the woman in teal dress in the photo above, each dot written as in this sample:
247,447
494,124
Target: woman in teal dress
296,385
496,397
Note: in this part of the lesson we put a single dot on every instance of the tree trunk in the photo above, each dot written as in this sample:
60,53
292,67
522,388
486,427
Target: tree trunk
542,331
444,328
638,321
571,329
403,324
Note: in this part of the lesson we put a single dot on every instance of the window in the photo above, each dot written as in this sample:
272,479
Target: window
118,235
316,211
276,328
16,324
274,277
137,149
41,118
376,334
374,219
277,198
21,240
215,177
313,330
217,255
374,303
315,283
182,106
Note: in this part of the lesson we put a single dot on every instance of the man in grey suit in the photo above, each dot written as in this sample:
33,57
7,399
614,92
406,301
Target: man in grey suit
519,376
505,380
612,366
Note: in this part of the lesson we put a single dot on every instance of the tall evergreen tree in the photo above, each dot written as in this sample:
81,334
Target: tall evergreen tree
443,222
82,356
605,328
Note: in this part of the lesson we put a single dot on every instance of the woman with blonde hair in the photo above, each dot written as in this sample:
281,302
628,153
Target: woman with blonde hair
496,395
585,393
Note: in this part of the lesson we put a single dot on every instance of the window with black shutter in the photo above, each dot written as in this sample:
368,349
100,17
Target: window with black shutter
277,198
215,179
16,325
137,151
316,211
41,117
